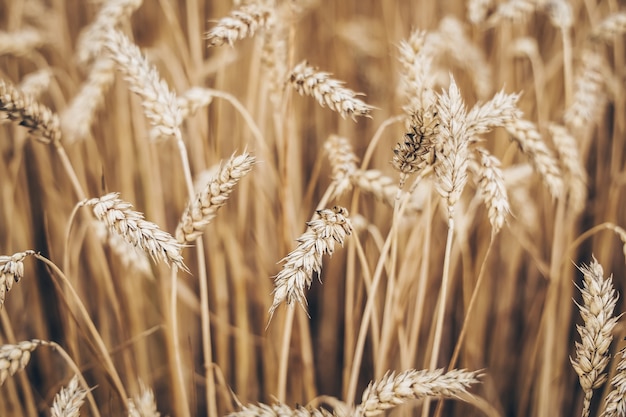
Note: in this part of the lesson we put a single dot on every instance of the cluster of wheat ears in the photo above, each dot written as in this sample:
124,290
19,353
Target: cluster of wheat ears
465,202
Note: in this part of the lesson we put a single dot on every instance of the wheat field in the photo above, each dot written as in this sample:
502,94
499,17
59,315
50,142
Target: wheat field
312,208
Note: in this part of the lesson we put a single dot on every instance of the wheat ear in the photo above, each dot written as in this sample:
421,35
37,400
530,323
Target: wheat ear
41,122
612,26
119,217
159,103
492,189
35,83
143,405
68,401
343,162
279,410
242,23
592,355
20,42
307,80
333,225
112,14
203,209
194,99
11,270
589,94
394,389
573,168
14,358
615,401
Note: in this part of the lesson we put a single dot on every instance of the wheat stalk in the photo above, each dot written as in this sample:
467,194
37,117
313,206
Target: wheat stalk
68,401
14,358
203,209
394,389
592,355
11,270
307,80
119,217
333,225
159,103
41,122
241,24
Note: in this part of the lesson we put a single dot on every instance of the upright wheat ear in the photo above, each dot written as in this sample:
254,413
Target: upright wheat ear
332,226
143,405
68,401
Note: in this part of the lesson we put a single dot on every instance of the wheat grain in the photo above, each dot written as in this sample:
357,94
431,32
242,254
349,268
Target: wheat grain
119,217
41,122
609,28
111,16
14,358
333,225
589,95
241,24
159,103
615,401
531,143
143,405
492,189
327,91
68,401
451,151
203,209
279,410
343,162
21,42
35,83
394,389
573,169
78,116
497,112
11,270
592,355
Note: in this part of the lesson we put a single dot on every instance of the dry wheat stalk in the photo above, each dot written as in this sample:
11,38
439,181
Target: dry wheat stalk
41,122
394,389
159,103
143,405
111,16
531,143
615,401
589,94
327,91
194,99
68,401
497,112
35,83
14,358
78,116
11,270
21,42
492,189
119,217
203,209
451,151
343,162
592,355
573,168
279,410
241,24
333,225
612,26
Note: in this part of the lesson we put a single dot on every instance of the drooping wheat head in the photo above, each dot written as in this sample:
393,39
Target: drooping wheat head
14,358
242,23
11,271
